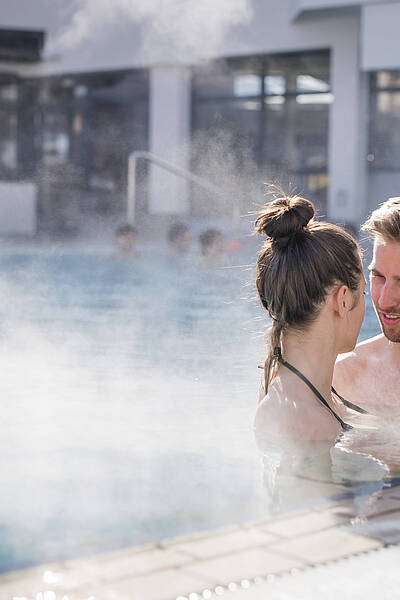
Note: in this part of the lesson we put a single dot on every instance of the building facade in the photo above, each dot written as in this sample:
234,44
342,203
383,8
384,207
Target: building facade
301,93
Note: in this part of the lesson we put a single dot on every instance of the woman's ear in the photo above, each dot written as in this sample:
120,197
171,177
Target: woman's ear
342,300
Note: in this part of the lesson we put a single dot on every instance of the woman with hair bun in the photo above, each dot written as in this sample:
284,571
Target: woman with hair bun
310,280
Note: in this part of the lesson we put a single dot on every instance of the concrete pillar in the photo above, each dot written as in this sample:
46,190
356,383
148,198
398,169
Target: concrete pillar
347,201
169,135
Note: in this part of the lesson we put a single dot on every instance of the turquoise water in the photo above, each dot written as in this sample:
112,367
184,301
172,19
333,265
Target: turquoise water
128,392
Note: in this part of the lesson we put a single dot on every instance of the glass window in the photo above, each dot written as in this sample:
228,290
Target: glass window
56,141
77,114
8,140
387,79
118,114
384,140
9,92
300,72
8,129
274,84
223,80
308,83
236,116
295,135
384,123
276,110
247,85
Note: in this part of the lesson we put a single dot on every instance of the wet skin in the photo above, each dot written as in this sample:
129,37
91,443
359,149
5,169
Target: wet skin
369,376
385,286
290,410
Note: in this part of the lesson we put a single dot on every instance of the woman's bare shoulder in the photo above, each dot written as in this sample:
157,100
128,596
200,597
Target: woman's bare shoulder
285,415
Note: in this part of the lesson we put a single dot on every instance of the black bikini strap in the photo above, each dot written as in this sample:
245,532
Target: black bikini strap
350,404
278,356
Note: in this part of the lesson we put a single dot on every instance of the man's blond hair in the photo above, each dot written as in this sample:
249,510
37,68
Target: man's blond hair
385,220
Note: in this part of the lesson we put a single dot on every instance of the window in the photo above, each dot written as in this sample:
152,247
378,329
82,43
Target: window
272,109
384,130
8,128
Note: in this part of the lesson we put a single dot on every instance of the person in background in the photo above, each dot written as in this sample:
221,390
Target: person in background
310,280
212,245
125,242
178,239
370,374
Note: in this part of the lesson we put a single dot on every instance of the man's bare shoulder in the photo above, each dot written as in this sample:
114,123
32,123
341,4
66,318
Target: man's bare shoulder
353,364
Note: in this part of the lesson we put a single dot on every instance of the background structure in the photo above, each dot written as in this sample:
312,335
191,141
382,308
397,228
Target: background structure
305,93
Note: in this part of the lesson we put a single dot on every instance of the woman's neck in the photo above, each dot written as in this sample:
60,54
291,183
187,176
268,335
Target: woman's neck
313,353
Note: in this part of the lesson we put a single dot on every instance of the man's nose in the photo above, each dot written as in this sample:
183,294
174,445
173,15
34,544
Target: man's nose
390,296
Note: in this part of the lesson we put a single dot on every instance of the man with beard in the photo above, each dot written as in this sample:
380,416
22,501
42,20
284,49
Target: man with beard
370,375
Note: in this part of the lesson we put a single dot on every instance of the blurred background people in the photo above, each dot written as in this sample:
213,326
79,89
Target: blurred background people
212,245
125,241
178,238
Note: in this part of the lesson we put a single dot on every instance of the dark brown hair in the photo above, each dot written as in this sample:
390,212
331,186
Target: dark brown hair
297,266
176,231
207,237
125,229
385,220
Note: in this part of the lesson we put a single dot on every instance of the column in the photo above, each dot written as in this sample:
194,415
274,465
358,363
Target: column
169,137
347,202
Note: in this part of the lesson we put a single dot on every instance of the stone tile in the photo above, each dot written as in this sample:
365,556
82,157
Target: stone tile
341,514
242,565
383,528
79,573
308,523
326,545
370,506
30,590
31,581
345,510
382,504
325,505
139,563
263,523
114,554
198,536
389,490
394,493
225,544
163,585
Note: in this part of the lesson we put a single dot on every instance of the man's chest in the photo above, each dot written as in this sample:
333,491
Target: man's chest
377,390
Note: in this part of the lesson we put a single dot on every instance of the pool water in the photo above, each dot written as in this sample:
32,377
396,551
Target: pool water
128,393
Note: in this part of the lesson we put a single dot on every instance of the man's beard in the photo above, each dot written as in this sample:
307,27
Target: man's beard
392,336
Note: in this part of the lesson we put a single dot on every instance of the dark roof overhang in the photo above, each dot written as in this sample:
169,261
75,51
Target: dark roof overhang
21,45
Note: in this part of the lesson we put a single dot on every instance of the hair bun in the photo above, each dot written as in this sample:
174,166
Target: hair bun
284,217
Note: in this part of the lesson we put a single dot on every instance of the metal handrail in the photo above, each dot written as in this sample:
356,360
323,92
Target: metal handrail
164,164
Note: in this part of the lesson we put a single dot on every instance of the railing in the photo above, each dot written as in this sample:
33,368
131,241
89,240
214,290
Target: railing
164,164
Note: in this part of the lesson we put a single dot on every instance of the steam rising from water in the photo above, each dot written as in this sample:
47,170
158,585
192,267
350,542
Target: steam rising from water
115,402
235,173
180,26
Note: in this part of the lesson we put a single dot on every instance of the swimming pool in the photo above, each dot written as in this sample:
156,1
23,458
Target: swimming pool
129,390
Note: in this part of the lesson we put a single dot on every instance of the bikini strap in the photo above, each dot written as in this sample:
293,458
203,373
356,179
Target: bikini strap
350,404
278,356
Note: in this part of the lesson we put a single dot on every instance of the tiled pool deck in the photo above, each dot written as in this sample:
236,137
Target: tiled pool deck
210,564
